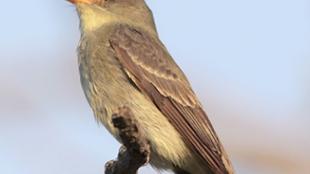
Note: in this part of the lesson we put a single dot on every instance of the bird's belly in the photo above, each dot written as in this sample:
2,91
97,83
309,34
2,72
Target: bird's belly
107,88
168,148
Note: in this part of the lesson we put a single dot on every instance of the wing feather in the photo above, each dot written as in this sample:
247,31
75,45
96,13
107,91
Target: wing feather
148,64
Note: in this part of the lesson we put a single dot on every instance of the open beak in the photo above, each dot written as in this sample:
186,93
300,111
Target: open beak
83,1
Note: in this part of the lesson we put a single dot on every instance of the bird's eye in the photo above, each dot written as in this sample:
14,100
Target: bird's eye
102,2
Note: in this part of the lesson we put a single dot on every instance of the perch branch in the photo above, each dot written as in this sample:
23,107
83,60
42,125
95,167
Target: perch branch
135,151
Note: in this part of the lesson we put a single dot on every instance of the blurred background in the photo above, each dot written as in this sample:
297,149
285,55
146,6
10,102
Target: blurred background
249,62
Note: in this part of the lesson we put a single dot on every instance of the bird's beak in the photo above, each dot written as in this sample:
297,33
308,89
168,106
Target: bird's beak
83,1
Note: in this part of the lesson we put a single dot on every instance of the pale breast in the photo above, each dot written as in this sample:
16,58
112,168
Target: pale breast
107,87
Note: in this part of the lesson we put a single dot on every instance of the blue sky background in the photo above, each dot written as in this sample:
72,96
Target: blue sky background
248,61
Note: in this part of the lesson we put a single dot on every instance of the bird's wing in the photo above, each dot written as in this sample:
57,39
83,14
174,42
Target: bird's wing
152,70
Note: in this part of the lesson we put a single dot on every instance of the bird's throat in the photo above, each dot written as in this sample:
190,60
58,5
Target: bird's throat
92,18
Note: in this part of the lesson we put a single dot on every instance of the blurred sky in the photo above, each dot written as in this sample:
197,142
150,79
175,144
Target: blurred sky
248,61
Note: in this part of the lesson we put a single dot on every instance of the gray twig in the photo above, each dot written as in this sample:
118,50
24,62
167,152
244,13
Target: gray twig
135,151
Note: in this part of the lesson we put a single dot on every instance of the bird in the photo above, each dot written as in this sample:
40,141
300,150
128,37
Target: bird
122,62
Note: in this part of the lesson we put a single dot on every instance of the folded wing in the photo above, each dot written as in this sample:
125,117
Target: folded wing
152,70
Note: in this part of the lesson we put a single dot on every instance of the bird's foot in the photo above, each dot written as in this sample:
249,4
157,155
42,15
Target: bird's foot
135,151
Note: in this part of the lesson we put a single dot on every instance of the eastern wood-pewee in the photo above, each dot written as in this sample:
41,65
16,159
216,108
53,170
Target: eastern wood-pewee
122,62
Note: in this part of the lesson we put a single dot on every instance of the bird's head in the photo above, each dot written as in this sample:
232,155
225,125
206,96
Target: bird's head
95,13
